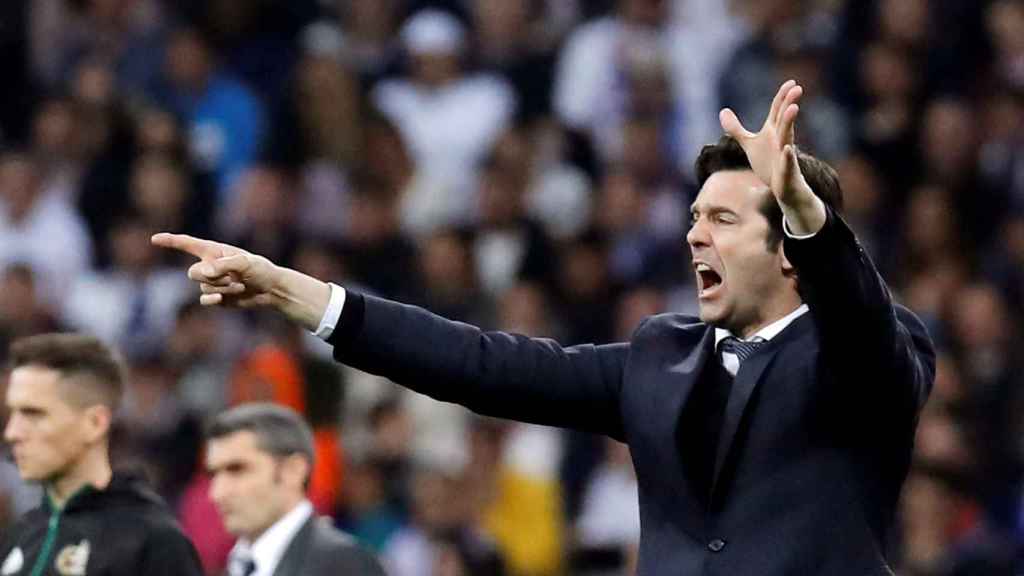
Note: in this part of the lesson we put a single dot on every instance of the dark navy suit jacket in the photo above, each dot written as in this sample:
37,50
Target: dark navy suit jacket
815,442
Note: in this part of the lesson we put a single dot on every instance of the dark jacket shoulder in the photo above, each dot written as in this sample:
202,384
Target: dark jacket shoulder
658,325
340,550
320,548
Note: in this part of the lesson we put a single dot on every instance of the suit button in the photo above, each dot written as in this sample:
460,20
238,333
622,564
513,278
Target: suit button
716,545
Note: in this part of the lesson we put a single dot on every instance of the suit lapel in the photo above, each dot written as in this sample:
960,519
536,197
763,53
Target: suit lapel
743,387
684,376
666,411
294,556
750,375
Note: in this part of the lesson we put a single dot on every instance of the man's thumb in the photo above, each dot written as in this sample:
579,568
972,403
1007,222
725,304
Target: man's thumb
732,125
236,264
791,162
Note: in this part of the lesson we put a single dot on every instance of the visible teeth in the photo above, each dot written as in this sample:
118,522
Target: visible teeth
703,268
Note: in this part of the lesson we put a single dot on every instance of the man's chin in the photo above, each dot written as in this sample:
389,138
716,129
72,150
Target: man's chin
710,314
232,527
29,474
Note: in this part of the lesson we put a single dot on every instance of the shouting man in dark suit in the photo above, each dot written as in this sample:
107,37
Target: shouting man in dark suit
770,436
260,457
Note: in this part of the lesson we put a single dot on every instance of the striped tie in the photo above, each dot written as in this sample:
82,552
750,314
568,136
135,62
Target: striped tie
743,349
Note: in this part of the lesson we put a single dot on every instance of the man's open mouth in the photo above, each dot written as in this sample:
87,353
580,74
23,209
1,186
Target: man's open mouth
708,280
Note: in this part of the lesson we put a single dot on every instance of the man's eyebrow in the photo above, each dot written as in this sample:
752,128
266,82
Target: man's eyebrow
230,464
711,209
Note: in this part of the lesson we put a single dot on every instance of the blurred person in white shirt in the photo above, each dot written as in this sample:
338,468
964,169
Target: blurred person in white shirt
448,119
41,230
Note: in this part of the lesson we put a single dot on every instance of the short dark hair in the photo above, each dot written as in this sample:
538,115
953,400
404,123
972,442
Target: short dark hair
279,431
97,371
727,154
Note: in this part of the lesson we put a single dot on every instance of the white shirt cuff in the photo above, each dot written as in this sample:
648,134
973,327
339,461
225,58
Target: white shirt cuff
785,228
332,314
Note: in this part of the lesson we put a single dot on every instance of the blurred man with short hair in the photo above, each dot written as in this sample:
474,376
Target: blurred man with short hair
260,458
63,392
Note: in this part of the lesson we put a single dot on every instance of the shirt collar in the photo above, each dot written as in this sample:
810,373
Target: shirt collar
269,548
768,332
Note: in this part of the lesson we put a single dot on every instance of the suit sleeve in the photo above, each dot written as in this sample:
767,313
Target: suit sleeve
492,373
167,552
867,339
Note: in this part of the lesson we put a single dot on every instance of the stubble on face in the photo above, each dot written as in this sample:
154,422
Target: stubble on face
739,278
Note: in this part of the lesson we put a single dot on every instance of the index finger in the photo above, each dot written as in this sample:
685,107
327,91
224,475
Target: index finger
773,112
203,249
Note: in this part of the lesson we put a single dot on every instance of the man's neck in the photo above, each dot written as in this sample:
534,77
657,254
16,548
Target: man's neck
288,509
93,470
750,330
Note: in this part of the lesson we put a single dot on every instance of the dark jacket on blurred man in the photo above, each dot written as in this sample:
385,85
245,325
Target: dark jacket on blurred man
124,529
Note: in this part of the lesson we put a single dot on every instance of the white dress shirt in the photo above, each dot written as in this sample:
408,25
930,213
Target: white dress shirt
269,548
731,362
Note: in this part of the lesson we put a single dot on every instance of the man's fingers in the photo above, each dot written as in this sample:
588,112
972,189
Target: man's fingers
219,272
211,299
773,113
792,97
189,244
232,288
786,126
204,272
237,264
732,125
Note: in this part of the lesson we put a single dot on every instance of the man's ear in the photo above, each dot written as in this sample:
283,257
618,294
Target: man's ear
96,421
296,469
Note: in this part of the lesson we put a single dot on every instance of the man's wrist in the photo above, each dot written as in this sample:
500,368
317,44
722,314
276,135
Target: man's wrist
302,298
789,233
804,216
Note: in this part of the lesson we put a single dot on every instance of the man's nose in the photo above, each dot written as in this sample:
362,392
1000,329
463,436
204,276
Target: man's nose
13,429
217,488
697,235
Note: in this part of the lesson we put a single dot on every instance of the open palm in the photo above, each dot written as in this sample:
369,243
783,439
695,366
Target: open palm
770,151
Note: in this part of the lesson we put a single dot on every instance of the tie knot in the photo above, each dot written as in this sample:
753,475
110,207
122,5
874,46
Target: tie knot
743,349
242,565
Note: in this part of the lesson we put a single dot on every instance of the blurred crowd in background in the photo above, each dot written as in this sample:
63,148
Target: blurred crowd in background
524,165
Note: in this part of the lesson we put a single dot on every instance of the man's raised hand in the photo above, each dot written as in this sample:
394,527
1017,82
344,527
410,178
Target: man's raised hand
225,274
772,155
770,150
